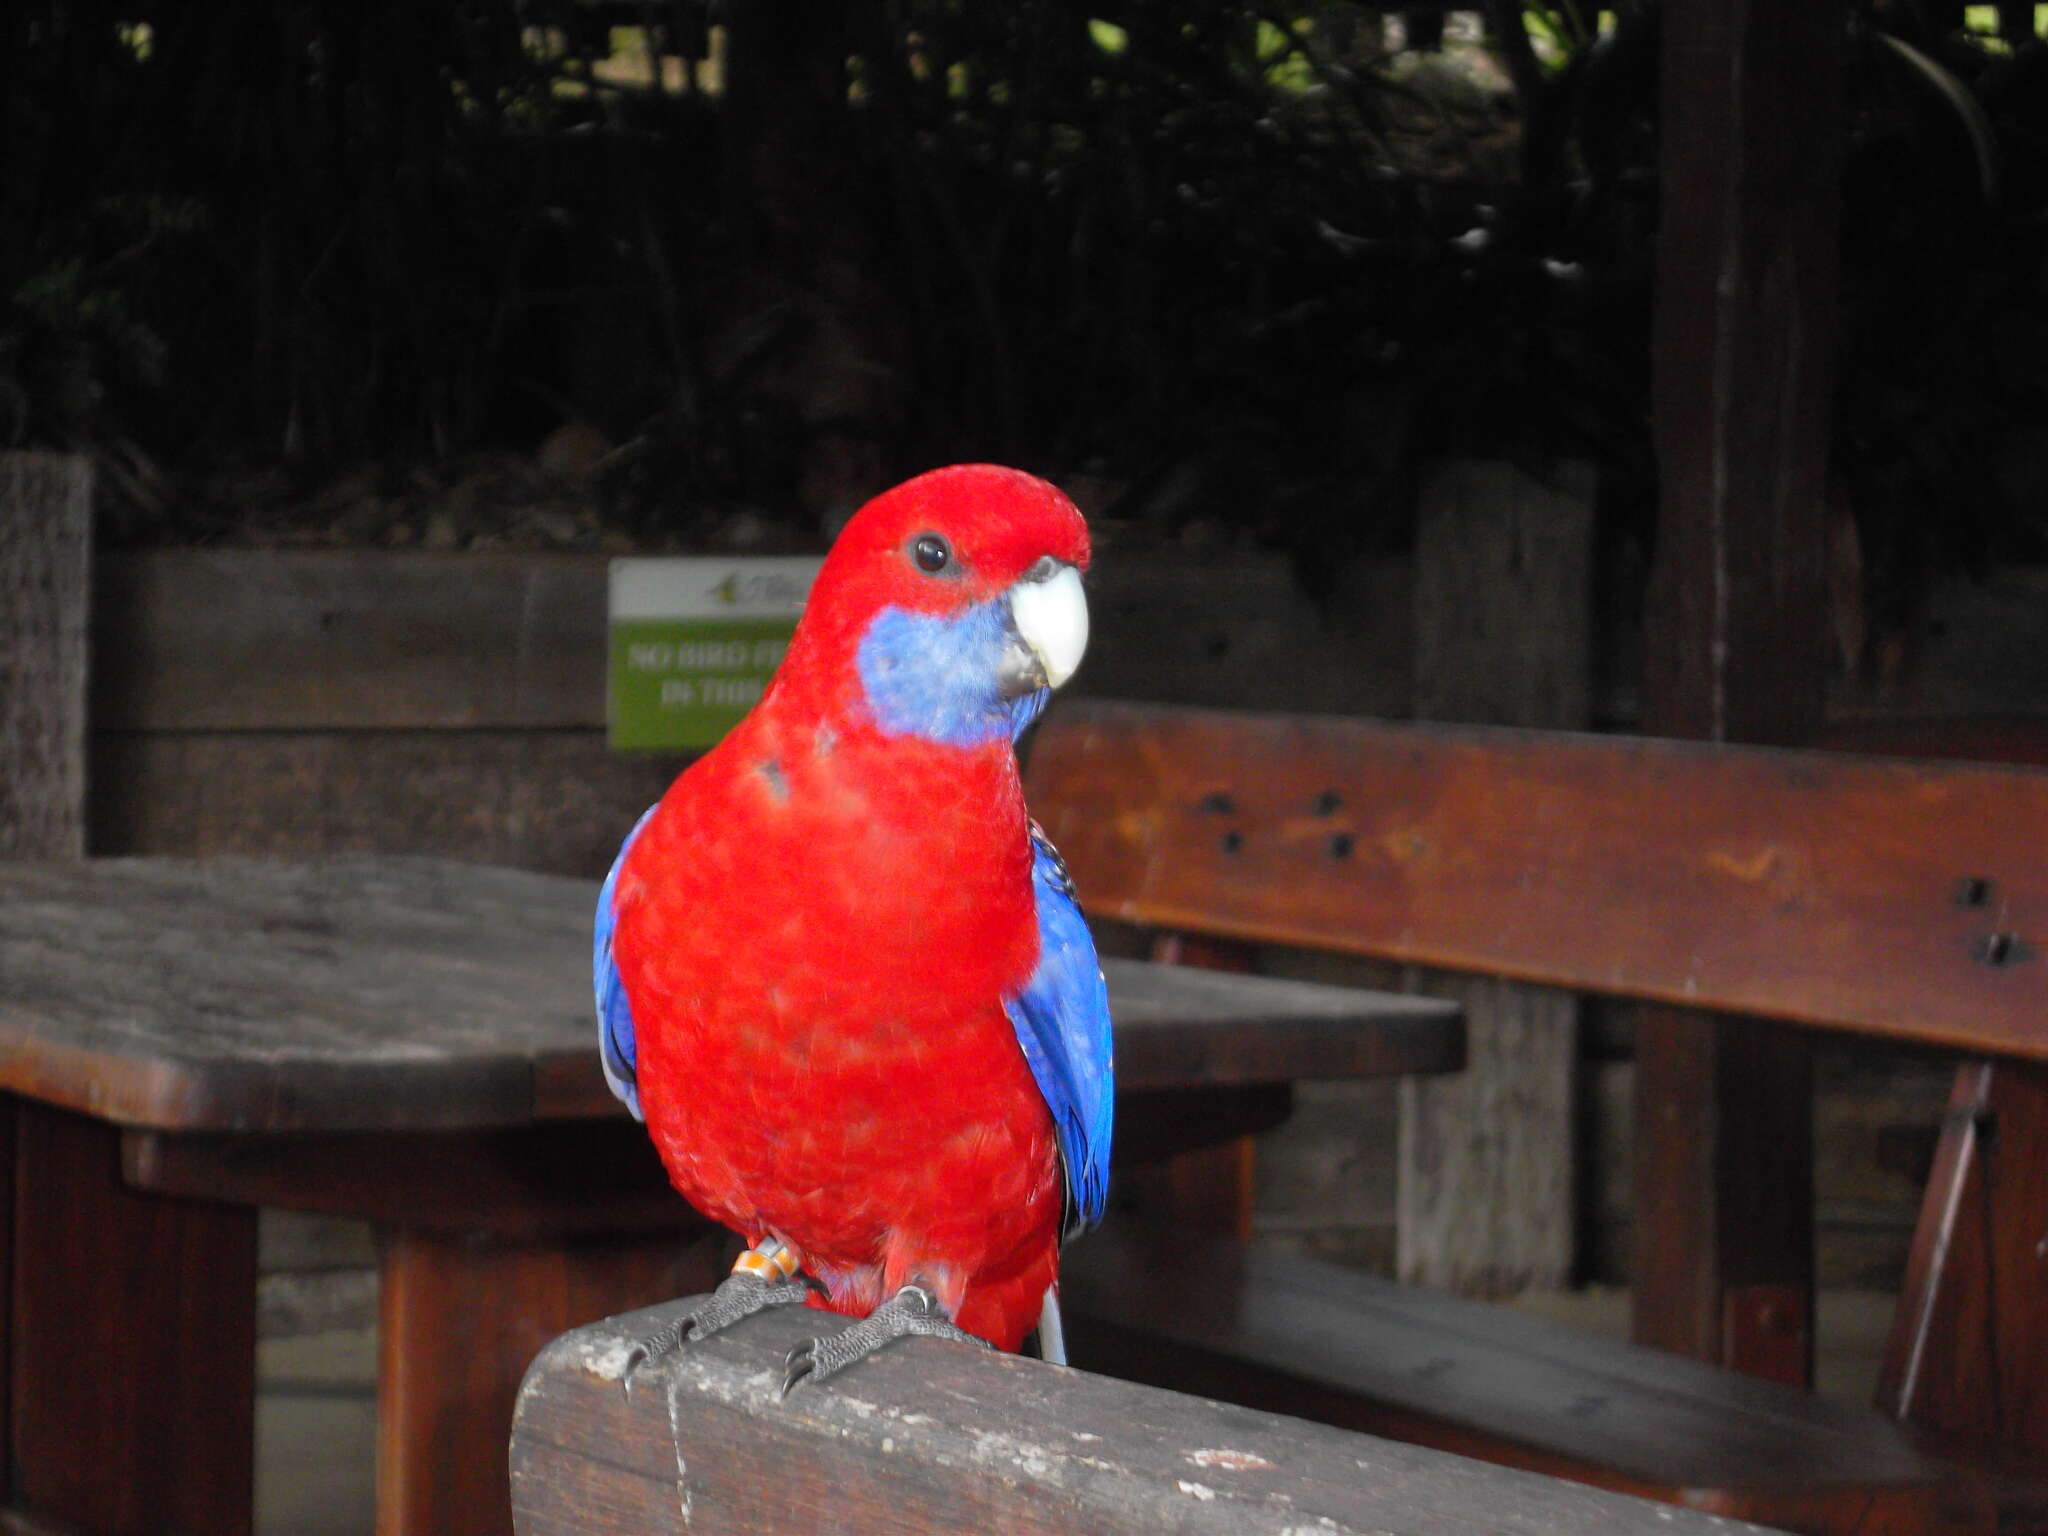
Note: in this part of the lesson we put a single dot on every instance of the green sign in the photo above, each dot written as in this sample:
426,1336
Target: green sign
694,642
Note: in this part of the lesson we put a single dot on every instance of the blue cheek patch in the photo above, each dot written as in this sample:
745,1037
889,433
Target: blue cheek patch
934,677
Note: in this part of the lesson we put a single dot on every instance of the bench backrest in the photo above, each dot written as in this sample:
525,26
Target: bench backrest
1896,898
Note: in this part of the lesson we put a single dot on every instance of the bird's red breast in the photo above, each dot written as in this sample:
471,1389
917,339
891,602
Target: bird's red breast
817,927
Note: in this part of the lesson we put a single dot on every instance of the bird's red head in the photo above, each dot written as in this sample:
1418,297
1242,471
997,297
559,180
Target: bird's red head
991,524
947,608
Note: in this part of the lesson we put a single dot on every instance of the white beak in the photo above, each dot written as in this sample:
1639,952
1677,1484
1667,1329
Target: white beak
1051,617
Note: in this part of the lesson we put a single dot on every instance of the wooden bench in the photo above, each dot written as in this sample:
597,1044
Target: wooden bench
942,1437
1904,901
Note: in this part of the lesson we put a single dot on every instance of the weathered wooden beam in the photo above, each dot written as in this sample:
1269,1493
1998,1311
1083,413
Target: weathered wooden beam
268,641
1503,636
1743,369
223,641
45,544
933,1436
236,640
1504,595
1751,113
553,801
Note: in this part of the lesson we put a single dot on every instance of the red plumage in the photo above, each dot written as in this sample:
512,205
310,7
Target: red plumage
816,929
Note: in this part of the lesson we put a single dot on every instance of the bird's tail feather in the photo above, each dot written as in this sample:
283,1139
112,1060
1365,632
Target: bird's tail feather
1052,1333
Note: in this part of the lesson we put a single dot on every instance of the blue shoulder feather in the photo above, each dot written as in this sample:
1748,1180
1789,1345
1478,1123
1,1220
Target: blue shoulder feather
1062,1021
615,1049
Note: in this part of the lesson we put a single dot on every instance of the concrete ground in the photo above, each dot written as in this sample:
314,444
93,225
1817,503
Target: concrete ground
316,1409
316,1428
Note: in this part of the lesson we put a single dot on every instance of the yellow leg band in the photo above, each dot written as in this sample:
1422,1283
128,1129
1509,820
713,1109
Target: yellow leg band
770,1261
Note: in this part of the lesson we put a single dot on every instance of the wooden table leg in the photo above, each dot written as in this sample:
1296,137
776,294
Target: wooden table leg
461,1316
1185,1156
492,1242
133,1332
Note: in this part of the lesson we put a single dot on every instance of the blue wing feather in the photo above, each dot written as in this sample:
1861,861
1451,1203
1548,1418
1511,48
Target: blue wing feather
1062,1022
615,1048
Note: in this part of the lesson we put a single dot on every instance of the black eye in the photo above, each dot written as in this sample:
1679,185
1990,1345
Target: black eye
932,553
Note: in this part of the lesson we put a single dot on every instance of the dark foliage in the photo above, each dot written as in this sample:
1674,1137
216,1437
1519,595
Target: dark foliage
324,227
1941,439
1247,265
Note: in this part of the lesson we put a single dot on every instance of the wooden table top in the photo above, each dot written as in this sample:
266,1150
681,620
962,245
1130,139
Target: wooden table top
369,993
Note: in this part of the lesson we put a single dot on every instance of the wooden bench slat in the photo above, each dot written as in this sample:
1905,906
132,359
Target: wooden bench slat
1658,1420
1894,898
938,1436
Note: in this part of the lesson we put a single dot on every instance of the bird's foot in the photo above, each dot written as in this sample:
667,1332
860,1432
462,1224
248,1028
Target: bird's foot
762,1277
911,1311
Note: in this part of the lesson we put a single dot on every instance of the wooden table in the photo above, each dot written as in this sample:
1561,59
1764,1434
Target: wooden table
409,1042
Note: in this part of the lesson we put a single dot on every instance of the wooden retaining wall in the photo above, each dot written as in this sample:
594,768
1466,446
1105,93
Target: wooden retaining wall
295,703
281,702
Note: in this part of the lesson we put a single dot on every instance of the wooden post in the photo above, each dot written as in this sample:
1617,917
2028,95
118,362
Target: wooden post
45,542
8,1181
45,537
1752,106
1503,614
135,1390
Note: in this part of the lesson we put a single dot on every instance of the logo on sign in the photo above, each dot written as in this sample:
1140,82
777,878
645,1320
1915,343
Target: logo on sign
694,644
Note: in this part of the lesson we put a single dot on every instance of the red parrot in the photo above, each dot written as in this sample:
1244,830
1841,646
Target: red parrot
842,975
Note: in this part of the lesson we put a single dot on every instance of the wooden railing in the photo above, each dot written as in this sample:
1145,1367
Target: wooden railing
931,1436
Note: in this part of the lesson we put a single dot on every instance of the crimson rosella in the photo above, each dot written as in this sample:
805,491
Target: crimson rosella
841,974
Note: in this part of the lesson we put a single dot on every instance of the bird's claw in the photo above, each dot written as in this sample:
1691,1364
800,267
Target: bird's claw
912,1311
739,1295
664,1341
